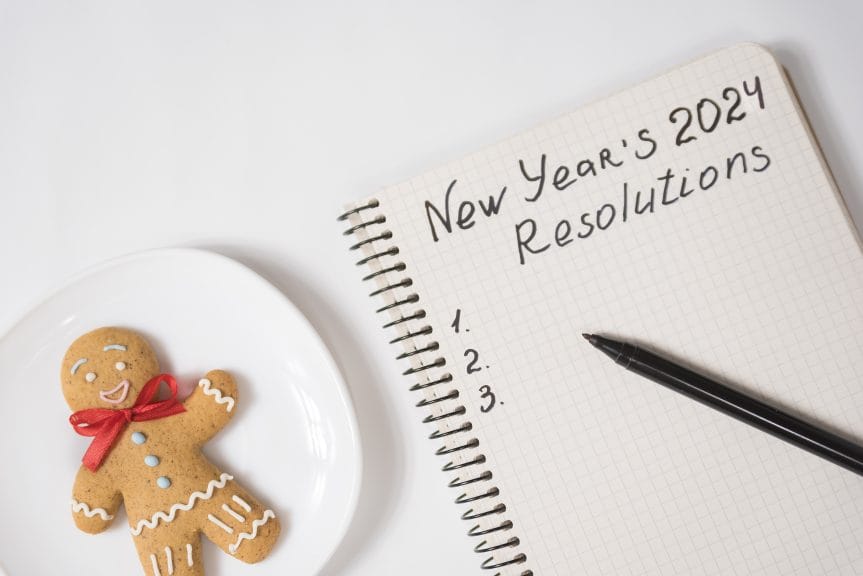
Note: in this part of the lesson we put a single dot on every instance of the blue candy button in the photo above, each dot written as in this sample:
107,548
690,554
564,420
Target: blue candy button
138,437
151,460
163,482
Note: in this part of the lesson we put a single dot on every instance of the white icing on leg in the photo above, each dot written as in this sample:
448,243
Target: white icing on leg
242,503
189,560
83,508
172,512
169,558
268,514
230,511
220,524
155,565
220,399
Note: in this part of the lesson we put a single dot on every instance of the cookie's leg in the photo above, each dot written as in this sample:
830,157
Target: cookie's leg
168,555
240,525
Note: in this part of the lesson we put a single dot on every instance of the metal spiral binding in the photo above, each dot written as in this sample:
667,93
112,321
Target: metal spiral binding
486,512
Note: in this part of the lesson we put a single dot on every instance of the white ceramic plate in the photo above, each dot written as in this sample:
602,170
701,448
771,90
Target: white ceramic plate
293,440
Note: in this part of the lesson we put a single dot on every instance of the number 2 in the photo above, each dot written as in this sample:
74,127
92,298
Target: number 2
735,104
680,140
471,365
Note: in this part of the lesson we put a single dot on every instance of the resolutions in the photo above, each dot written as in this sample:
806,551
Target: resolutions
667,189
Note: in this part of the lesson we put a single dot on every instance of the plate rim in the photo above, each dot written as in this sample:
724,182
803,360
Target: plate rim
282,298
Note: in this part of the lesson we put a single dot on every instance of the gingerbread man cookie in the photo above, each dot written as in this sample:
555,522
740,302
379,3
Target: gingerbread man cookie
146,453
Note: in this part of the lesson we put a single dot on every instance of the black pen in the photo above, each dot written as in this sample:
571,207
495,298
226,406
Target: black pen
745,408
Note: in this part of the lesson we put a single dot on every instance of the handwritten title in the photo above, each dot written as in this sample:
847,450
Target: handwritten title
541,175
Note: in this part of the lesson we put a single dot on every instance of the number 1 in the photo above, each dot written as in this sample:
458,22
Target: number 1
455,323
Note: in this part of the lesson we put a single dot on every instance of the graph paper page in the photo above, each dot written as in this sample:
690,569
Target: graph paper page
741,261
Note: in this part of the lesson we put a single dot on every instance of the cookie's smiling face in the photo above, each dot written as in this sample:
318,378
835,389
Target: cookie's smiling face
107,368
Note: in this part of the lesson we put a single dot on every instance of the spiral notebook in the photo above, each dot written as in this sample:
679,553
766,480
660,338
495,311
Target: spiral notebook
693,213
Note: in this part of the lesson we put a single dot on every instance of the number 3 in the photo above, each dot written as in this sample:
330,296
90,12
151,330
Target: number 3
487,393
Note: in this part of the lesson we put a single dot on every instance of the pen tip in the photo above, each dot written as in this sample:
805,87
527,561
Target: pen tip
586,336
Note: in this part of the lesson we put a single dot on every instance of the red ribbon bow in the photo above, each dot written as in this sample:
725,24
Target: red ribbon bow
106,424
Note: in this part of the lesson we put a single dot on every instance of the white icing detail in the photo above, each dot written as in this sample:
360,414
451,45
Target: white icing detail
209,391
119,347
105,395
169,558
77,365
189,559
90,376
172,513
155,565
82,507
220,524
242,503
236,516
120,366
268,514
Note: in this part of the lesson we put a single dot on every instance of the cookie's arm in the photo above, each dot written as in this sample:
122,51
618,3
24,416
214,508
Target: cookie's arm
210,406
94,501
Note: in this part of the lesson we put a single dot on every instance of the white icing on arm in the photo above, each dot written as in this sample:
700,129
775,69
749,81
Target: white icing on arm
82,507
210,391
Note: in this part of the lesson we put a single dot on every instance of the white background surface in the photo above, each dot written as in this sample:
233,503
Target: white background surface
243,127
